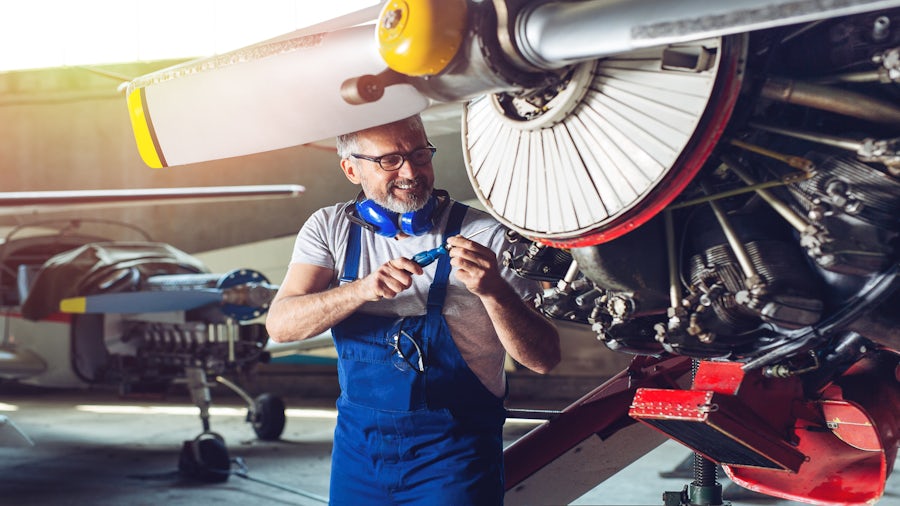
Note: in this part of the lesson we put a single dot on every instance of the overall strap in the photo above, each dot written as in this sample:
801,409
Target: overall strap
438,291
351,258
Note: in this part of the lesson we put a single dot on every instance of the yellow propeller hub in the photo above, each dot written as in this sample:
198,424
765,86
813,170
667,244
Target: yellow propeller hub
421,37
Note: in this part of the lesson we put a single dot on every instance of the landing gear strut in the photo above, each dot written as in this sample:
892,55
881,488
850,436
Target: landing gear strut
265,413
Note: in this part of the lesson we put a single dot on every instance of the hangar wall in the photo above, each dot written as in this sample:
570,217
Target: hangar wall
68,129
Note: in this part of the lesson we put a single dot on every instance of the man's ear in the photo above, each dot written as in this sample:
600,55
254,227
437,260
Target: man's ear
350,170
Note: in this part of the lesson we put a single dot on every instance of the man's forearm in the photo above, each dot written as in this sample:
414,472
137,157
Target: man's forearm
298,317
528,337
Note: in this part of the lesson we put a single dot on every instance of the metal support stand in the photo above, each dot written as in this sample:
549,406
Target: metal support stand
705,490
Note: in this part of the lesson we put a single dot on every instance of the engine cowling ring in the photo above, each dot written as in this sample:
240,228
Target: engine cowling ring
610,166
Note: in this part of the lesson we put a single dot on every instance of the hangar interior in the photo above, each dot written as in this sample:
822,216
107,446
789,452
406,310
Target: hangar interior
67,129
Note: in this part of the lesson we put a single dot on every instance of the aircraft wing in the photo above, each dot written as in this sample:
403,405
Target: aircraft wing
30,202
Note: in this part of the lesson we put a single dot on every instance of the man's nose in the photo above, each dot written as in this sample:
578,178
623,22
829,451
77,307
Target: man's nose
407,170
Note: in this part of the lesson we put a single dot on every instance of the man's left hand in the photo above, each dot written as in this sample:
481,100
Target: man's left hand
476,266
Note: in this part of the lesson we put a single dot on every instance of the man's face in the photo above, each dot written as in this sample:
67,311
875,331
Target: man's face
404,190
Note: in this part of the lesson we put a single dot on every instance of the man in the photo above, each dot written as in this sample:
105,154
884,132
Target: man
421,350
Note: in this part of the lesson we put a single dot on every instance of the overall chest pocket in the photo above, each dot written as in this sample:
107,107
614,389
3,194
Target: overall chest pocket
371,370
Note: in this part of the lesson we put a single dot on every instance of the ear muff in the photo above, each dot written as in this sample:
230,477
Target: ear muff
383,221
388,223
205,458
421,221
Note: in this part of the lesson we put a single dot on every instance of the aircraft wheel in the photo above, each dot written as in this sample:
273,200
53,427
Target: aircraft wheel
268,417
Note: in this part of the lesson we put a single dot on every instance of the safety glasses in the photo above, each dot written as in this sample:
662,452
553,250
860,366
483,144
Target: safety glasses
408,354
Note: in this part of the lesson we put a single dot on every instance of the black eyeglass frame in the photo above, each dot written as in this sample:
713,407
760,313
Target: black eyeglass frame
404,157
419,364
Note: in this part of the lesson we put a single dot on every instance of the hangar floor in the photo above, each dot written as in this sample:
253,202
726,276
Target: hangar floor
95,448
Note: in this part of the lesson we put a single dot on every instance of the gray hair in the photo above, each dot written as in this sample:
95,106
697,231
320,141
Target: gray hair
348,144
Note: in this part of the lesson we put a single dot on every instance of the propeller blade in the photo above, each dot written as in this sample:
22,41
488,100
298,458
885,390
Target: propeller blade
141,302
276,94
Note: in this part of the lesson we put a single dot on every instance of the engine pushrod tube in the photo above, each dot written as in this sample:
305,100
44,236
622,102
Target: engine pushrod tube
795,219
733,192
828,140
672,258
734,241
555,34
827,98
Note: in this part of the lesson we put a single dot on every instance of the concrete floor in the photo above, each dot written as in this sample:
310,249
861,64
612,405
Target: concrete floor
93,448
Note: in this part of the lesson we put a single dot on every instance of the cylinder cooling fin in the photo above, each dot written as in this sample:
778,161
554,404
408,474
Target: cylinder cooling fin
607,148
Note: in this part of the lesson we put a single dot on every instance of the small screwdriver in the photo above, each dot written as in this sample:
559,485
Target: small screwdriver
428,257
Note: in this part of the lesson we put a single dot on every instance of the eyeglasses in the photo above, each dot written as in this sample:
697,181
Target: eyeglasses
393,161
404,359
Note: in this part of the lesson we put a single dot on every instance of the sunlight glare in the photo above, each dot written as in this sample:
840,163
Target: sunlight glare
194,411
55,33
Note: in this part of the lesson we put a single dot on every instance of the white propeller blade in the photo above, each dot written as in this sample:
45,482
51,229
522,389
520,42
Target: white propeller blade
271,95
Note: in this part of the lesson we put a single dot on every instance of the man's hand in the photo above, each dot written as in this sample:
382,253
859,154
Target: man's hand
476,266
525,334
388,280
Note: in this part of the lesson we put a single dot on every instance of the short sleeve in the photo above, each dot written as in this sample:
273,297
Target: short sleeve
315,240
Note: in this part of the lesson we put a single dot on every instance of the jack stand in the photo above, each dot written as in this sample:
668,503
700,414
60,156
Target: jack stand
703,491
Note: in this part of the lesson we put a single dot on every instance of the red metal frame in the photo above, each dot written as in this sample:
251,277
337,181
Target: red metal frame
603,411
836,448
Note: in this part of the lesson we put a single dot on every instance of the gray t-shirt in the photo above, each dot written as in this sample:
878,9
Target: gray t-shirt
323,242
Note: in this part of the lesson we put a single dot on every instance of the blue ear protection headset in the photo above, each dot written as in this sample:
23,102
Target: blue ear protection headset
371,216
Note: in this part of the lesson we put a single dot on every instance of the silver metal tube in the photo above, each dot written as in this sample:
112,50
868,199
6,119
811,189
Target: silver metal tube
672,257
232,332
236,389
793,218
555,34
737,247
855,105
828,140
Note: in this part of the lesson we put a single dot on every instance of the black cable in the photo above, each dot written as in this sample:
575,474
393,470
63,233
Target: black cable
242,472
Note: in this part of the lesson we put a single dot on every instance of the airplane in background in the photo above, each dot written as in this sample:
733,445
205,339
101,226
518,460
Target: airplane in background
713,188
81,306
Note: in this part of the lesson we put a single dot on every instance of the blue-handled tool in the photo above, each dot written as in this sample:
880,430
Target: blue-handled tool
428,257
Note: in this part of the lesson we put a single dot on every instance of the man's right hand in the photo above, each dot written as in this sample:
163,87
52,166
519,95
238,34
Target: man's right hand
388,280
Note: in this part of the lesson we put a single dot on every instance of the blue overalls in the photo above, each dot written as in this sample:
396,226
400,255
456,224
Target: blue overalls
415,425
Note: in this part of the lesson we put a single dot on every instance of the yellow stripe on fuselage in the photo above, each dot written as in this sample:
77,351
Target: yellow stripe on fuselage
143,131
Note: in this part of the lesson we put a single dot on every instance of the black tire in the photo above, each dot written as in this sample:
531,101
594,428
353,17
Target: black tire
268,417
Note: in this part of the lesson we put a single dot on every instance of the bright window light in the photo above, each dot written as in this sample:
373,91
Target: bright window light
56,33
194,411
